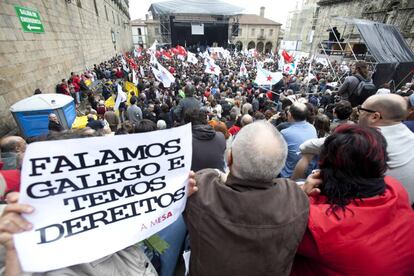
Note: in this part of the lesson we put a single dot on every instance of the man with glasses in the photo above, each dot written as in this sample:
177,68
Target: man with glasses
385,112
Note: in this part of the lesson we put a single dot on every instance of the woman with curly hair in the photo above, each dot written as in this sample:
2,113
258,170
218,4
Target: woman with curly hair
360,221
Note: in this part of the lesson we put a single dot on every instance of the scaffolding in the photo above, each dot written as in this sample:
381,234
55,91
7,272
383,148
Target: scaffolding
349,47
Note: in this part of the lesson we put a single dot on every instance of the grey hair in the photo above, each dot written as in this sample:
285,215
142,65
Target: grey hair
259,152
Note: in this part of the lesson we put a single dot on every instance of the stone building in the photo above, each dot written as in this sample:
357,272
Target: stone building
254,31
258,32
139,33
396,12
77,34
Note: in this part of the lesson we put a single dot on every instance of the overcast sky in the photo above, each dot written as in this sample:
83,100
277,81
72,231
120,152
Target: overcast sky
276,10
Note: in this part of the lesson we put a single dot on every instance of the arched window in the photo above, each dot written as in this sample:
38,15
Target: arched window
251,45
260,47
268,47
239,45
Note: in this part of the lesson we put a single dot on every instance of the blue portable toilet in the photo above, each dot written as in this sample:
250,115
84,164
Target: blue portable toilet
31,114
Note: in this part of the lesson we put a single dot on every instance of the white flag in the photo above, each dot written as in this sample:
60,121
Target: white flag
153,47
265,77
212,68
121,97
134,77
191,58
153,60
163,75
310,75
141,71
243,70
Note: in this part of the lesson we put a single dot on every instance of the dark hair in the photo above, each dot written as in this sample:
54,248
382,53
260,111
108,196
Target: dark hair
361,68
133,100
189,90
353,162
145,125
343,110
297,113
195,117
322,125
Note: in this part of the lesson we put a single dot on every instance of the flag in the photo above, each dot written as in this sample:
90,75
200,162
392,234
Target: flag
166,54
153,47
265,77
243,70
141,71
290,68
288,58
163,75
153,60
212,68
192,58
134,77
310,75
121,97
181,50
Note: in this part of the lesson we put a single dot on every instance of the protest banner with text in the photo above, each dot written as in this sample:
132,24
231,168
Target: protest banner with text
95,196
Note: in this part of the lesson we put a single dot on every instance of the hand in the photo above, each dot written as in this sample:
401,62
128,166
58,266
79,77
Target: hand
312,183
192,185
11,221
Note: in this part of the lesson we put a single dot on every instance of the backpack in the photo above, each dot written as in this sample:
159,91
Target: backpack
363,91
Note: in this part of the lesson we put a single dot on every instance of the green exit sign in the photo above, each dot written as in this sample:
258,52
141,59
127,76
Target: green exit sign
29,19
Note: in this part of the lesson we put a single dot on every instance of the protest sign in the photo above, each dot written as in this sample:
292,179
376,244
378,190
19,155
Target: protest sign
95,196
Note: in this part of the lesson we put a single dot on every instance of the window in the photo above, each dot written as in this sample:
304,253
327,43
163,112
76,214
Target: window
118,19
96,8
271,32
106,13
261,32
139,31
157,31
252,31
113,16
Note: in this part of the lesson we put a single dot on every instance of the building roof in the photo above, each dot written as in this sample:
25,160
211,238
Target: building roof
211,7
254,19
138,22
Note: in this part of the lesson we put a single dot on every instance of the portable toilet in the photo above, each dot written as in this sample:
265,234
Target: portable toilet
31,114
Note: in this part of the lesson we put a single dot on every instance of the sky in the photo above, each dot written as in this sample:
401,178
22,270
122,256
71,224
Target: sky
276,10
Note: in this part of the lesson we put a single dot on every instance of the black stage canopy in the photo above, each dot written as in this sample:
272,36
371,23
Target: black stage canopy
388,47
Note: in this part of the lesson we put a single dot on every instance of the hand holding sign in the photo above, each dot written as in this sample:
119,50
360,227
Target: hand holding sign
95,189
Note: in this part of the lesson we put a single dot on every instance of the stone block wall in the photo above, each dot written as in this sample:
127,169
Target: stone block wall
78,34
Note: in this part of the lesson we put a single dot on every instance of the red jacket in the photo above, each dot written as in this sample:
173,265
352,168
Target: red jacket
377,240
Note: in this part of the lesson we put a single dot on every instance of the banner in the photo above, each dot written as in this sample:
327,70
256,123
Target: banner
95,196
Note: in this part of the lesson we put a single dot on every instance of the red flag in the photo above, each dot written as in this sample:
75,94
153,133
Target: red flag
287,57
166,54
181,50
158,54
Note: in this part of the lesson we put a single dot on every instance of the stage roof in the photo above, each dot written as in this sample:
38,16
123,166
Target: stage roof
384,42
210,7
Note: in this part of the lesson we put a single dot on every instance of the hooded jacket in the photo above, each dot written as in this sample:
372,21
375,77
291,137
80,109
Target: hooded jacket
208,148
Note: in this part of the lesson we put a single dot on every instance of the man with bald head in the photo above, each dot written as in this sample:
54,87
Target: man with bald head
387,112
298,132
12,150
248,222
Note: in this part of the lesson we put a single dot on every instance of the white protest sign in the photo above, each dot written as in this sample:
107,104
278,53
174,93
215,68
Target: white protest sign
95,196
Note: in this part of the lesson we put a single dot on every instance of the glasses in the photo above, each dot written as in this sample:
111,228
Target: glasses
359,108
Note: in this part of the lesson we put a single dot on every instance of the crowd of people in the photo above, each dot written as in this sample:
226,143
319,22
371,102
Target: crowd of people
311,175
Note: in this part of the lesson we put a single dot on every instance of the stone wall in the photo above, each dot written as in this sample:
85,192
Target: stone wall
78,33
396,12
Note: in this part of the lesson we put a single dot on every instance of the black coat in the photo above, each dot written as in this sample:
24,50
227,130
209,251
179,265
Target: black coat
208,148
